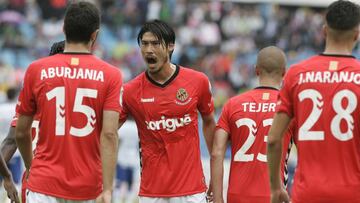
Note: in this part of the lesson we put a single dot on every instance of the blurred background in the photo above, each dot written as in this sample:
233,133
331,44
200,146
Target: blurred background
219,38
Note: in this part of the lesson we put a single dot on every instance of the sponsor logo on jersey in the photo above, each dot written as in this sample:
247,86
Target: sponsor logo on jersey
169,124
147,100
182,97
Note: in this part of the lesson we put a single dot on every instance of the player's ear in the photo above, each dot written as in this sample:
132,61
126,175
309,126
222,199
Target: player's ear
94,35
171,46
257,70
325,30
356,37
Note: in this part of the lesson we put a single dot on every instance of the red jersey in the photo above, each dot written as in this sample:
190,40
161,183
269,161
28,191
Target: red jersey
322,93
167,120
247,119
68,93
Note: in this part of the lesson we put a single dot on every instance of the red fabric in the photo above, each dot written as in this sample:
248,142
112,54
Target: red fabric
322,94
68,93
168,131
247,118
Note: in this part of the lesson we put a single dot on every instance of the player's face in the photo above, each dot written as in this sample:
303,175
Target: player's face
154,52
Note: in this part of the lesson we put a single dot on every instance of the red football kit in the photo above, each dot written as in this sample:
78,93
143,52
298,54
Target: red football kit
68,93
167,120
247,119
322,94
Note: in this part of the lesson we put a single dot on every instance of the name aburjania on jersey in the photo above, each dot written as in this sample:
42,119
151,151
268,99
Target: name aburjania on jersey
329,77
72,73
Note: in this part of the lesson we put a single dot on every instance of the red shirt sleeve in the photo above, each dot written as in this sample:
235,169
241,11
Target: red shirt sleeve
26,102
223,121
124,111
112,100
285,103
206,102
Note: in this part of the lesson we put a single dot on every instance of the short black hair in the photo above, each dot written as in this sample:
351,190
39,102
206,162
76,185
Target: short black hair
343,15
11,93
160,29
81,20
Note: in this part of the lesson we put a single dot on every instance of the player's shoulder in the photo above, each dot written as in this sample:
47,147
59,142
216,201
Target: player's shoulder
134,83
42,61
107,66
191,73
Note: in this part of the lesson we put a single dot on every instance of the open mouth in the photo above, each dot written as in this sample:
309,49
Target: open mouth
151,60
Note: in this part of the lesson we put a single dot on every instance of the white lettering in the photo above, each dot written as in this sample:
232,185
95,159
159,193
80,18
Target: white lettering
170,124
329,77
72,73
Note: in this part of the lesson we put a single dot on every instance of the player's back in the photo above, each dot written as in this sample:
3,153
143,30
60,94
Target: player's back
70,91
323,93
249,117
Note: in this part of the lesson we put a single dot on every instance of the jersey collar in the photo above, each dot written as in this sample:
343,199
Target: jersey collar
338,55
165,83
266,87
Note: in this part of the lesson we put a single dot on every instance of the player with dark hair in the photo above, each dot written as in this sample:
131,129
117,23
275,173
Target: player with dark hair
164,101
322,94
75,97
245,121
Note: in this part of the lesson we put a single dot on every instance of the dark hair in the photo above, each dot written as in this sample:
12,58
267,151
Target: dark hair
11,93
81,20
343,15
160,29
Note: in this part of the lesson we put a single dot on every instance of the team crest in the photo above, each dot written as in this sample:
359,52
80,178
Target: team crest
182,95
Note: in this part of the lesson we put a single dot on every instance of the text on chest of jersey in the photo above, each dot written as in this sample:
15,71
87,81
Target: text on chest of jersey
170,124
72,73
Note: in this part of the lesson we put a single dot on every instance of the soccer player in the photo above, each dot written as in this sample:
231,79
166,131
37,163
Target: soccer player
76,97
322,93
245,121
8,145
6,174
164,101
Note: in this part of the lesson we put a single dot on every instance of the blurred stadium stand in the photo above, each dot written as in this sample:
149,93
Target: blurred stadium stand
219,38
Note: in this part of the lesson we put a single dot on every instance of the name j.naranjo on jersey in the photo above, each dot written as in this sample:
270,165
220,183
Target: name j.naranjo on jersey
329,77
72,73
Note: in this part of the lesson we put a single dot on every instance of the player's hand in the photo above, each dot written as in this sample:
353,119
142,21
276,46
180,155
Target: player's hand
105,197
279,196
209,194
57,47
11,190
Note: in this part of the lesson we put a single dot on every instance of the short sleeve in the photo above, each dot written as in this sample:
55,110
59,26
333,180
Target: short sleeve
112,100
223,121
124,109
285,104
206,102
26,102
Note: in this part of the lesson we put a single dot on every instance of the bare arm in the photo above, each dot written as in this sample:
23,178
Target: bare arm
23,139
8,145
208,130
109,143
274,151
217,164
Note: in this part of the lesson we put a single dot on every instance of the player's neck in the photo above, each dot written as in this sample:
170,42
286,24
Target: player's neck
77,48
338,48
269,82
164,74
